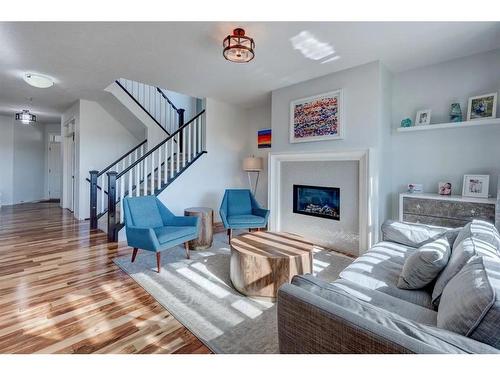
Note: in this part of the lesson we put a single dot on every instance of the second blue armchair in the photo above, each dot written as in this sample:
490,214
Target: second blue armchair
239,209
151,226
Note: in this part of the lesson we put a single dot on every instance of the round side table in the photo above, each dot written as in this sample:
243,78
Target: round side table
206,234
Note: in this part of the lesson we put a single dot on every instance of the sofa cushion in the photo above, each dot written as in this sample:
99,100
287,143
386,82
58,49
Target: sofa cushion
461,253
423,266
395,305
442,340
482,230
374,272
470,303
415,235
392,251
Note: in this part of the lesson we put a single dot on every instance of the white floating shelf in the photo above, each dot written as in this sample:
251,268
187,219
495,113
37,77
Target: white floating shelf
449,125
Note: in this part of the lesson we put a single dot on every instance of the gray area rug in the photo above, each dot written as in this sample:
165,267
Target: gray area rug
198,293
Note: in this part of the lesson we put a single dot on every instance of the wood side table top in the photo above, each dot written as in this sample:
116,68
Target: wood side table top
271,244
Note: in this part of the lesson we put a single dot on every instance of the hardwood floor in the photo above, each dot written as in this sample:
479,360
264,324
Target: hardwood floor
60,292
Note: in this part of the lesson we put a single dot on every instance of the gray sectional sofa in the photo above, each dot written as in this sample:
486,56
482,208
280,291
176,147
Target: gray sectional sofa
365,311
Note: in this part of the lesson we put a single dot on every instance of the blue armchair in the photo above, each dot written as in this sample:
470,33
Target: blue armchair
239,209
151,226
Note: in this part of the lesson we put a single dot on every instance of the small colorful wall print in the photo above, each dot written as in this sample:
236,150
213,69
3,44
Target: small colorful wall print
264,138
482,107
316,118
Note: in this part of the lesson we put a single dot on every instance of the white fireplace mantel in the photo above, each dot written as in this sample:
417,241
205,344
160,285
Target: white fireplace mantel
368,209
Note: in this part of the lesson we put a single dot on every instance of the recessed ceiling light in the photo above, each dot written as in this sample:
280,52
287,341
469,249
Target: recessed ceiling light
38,80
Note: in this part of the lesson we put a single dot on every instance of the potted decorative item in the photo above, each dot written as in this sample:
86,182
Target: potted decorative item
455,113
406,123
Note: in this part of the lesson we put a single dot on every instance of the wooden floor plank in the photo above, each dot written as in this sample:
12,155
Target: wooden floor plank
60,291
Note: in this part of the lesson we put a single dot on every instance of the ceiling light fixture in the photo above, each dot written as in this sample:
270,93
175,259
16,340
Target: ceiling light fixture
238,47
38,80
26,117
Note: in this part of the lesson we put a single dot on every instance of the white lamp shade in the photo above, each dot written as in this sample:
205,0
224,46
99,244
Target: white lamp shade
252,164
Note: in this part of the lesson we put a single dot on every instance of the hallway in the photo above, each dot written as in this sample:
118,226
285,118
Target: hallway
60,291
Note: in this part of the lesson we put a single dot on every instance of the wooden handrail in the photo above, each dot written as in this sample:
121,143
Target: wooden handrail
158,146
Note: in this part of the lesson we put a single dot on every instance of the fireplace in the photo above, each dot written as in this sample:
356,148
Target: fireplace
317,201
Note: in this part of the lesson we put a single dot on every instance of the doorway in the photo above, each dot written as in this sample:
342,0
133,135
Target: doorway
69,165
54,167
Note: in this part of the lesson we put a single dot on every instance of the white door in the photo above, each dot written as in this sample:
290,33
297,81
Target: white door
55,170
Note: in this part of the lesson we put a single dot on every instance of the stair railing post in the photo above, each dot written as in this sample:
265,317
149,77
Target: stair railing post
112,235
180,112
93,199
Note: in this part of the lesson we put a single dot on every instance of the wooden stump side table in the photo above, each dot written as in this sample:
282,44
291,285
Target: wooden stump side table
206,235
263,261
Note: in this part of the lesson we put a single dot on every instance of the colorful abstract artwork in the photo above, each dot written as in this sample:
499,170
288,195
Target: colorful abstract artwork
264,138
316,118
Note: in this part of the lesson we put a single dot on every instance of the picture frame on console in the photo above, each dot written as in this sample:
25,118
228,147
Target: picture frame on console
317,118
476,186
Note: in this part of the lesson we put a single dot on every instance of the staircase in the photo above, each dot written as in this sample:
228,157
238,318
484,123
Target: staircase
141,171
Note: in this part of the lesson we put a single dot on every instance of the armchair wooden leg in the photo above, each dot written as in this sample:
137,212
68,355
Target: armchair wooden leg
186,246
229,234
134,254
158,260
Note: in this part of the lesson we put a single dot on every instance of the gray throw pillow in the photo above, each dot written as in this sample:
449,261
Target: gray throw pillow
476,238
423,266
415,235
470,302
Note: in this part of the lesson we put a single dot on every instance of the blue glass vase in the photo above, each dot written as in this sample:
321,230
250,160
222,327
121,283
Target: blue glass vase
455,113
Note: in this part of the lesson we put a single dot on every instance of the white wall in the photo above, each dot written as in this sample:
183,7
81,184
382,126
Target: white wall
99,140
341,235
255,119
203,183
186,102
29,155
6,159
444,155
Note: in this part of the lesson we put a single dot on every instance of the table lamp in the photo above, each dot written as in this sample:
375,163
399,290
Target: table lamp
252,164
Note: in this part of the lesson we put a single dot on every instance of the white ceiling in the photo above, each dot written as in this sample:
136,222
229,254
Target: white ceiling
187,57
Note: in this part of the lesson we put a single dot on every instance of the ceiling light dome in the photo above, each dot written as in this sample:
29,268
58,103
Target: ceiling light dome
38,80
238,47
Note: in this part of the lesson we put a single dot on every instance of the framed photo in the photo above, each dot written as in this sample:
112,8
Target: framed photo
423,117
476,186
482,107
317,118
444,188
415,188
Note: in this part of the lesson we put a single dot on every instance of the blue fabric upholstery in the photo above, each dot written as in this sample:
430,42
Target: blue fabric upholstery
152,226
239,209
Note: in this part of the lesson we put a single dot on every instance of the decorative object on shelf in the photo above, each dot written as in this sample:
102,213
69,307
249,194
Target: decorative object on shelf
415,188
26,117
444,188
406,123
253,164
455,113
238,47
423,117
317,118
482,107
264,138
476,185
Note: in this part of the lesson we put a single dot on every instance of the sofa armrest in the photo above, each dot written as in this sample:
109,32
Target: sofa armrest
415,235
308,323
262,212
223,217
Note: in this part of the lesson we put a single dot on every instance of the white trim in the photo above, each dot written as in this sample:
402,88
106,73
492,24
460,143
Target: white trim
368,215
340,116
